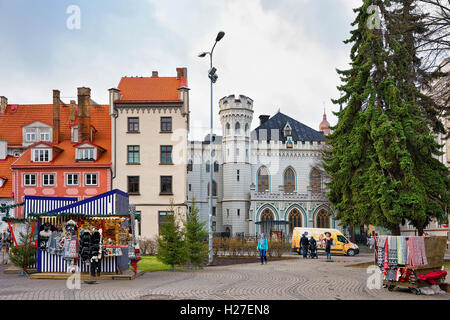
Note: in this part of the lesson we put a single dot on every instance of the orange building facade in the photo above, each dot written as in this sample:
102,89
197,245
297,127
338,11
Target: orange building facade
58,150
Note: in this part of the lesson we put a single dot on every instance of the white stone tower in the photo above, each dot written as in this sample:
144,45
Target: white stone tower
236,114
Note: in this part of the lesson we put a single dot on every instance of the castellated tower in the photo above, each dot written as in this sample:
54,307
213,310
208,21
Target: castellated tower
236,114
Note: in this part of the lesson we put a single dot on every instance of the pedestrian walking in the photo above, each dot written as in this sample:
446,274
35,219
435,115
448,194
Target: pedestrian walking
312,248
328,244
370,242
263,246
304,242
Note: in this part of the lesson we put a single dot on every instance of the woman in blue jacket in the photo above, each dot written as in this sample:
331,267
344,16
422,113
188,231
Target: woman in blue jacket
263,246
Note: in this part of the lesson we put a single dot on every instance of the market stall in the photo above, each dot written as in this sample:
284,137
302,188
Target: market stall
94,235
411,261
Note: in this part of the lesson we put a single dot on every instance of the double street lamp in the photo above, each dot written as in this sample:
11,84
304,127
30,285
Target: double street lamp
213,77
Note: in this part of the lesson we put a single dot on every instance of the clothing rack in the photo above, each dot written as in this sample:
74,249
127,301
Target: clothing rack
435,248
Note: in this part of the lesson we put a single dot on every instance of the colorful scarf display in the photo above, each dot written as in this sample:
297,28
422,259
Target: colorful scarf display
392,256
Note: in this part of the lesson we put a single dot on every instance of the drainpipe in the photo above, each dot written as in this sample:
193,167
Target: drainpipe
114,94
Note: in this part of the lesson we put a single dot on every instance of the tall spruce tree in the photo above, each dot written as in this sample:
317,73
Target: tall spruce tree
196,236
24,254
171,242
381,159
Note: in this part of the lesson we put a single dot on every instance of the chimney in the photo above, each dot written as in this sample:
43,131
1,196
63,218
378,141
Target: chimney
3,104
154,74
181,73
84,117
114,94
72,110
183,91
263,118
56,116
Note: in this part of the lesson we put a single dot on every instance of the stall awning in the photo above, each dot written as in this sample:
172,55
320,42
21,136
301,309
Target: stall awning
111,203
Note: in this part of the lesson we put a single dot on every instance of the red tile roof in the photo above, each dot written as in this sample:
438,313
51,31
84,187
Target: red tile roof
11,130
150,89
5,172
64,159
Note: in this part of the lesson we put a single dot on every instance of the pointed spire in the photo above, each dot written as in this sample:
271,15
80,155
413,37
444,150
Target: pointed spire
324,125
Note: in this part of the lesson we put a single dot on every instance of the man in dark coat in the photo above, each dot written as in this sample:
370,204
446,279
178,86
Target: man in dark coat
304,243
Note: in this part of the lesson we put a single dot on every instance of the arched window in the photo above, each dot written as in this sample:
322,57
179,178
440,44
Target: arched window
316,181
227,129
322,219
263,179
295,219
214,189
237,128
216,166
208,166
246,128
289,180
267,217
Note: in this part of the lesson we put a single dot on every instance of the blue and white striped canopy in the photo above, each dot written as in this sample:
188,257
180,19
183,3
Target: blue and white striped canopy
114,202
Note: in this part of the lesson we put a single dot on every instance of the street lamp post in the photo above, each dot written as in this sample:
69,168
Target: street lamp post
213,77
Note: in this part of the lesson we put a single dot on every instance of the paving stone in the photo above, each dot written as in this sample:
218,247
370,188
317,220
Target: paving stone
292,279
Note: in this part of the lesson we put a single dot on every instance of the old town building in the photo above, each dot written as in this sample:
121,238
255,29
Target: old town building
59,149
150,124
267,180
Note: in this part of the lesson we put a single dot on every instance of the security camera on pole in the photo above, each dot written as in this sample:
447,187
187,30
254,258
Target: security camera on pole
213,77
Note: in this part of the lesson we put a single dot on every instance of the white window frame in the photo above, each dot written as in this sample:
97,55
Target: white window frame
25,179
48,174
74,137
45,134
72,184
83,152
37,155
86,179
28,133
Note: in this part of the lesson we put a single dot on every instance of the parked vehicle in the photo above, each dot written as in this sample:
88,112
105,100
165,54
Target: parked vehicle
340,243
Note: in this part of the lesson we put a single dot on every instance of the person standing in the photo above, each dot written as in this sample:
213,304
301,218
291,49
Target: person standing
263,246
328,244
312,247
304,244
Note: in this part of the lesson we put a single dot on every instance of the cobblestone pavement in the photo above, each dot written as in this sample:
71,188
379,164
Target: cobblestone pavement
286,279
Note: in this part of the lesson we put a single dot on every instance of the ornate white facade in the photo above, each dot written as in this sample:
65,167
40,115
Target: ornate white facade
266,180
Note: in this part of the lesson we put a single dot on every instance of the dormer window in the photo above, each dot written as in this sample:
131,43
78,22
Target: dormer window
41,155
35,132
30,135
2,182
45,135
287,131
74,134
85,154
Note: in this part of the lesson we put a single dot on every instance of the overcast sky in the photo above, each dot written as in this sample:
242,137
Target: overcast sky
281,53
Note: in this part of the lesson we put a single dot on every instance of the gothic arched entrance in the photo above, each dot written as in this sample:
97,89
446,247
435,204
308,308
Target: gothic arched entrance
295,219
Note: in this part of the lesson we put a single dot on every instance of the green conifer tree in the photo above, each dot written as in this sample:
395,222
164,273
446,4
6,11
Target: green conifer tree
24,254
171,242
196,237
382,151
